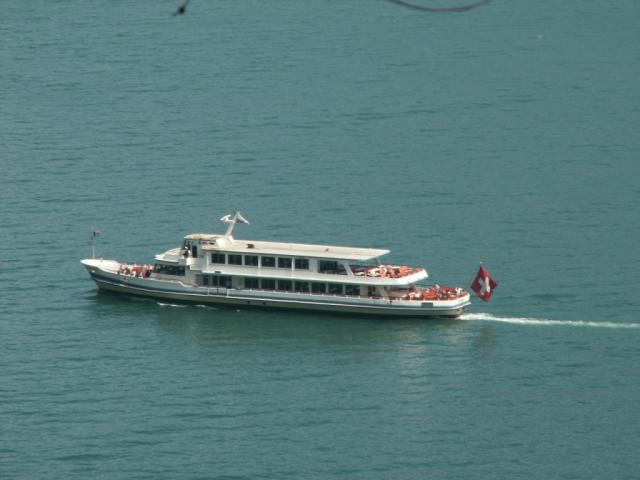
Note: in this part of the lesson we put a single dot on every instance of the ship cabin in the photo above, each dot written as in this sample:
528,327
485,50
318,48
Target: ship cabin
219,262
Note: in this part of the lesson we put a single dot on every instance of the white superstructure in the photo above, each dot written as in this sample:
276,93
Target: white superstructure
218,269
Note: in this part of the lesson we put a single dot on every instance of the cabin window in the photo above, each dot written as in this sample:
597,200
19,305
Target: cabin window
302,287
250,282
317,287
234,259
268,283
268,261
353,290
285,285
302,264
218,258
169,270
205,280
284,262
331,266
220,281
327,266
335,288
251,260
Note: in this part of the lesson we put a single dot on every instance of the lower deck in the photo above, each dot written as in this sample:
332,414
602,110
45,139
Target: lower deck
137,280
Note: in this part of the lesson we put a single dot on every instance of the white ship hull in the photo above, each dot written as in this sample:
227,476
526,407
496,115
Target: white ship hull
104,273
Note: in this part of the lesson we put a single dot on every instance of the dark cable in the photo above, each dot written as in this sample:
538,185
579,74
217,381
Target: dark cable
182,9
461,8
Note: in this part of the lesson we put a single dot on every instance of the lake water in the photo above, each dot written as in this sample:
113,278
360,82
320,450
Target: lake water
506,135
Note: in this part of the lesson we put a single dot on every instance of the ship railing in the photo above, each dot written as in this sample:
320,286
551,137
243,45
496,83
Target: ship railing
135,270
384,271
432,293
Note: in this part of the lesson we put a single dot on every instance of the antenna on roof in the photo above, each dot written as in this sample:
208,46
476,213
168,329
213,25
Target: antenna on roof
232,220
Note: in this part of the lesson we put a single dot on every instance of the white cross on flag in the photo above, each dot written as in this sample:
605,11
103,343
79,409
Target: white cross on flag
483,284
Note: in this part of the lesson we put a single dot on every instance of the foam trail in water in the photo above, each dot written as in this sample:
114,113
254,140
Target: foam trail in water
543,321
171,305
209,307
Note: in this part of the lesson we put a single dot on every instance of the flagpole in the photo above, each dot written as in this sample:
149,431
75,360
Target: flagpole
473,276
93,242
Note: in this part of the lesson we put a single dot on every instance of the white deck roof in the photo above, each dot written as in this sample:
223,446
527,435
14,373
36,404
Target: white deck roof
228,244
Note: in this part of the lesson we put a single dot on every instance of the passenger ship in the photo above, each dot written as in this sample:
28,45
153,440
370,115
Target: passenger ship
215,269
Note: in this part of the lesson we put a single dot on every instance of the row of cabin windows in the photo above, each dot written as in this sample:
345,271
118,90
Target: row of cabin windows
302,287
254,260
283,285
169,269
216,281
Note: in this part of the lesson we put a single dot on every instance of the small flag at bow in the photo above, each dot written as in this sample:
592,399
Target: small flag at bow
483,284
95,232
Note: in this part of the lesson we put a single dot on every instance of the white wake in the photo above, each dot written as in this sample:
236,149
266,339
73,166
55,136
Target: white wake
487,317
174,305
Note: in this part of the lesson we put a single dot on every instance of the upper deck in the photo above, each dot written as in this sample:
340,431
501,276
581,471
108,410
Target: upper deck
212,242
222,255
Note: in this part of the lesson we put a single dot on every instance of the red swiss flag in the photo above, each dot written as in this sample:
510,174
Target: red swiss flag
483,284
